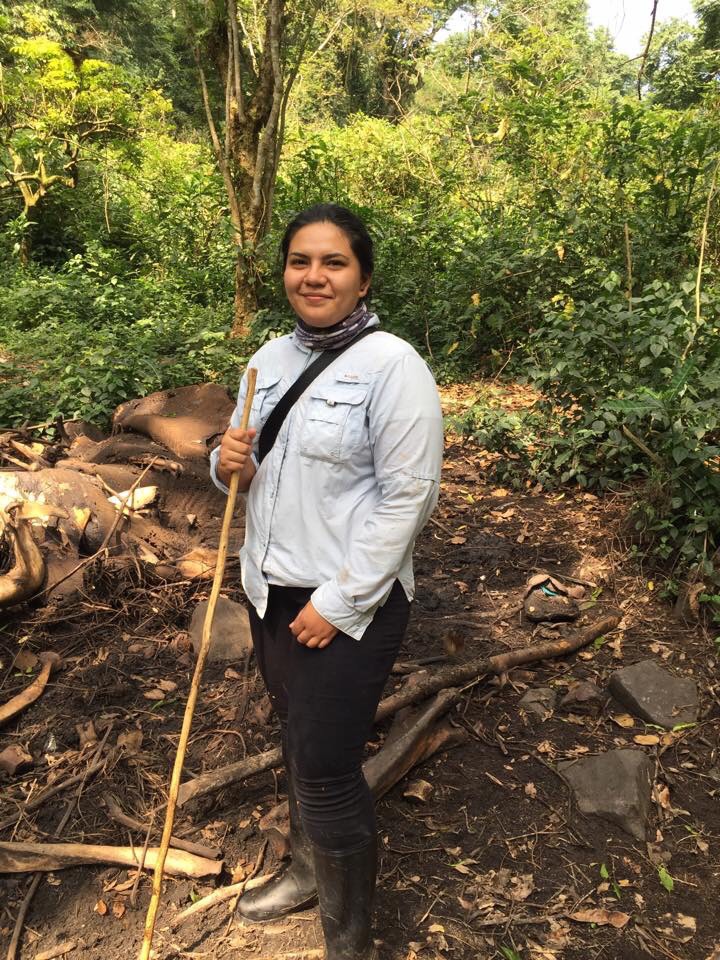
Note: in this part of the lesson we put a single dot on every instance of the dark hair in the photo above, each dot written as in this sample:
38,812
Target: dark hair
351,225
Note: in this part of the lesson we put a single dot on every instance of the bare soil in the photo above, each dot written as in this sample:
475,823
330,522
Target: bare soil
496,863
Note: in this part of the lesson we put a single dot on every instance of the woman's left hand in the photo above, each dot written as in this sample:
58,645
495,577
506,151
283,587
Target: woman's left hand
312,630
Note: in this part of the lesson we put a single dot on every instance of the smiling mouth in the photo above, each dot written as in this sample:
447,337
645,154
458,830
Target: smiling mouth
314,296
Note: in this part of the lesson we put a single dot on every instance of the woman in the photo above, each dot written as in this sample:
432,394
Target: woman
332,514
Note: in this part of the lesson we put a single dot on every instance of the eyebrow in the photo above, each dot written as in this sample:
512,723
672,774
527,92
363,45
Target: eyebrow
326,256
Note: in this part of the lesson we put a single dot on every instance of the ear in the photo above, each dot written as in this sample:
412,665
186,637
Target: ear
365,286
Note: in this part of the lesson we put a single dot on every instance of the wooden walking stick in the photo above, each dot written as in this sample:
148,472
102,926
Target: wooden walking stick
194,689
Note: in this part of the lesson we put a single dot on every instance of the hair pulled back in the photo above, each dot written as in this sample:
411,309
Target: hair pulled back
351,225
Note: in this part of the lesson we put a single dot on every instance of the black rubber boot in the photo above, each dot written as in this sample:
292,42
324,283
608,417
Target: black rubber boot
346,885
292,890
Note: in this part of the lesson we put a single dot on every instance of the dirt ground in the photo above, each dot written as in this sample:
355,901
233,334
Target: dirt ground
496,862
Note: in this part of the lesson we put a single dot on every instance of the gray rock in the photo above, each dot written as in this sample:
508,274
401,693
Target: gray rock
230,638
550,609
539,701
583,695
615,786
655,695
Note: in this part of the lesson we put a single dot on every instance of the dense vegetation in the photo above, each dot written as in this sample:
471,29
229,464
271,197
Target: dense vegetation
544,208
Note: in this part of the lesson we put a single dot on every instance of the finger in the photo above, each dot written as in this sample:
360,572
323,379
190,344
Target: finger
326,642
313,643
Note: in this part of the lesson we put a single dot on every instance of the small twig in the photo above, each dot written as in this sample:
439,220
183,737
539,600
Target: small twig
641,71
641,446
255,870
224,893
628,259
141,865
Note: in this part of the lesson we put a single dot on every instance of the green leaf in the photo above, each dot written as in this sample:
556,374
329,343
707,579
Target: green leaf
666,880
604,872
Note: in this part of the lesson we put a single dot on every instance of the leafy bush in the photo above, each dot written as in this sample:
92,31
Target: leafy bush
629,396
77,344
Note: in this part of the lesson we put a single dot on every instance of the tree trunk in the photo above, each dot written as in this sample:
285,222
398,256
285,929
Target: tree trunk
246,300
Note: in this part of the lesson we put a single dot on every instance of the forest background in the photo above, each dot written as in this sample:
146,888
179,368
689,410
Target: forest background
544,210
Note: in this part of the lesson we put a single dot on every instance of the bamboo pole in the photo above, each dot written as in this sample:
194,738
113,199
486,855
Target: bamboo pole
194,690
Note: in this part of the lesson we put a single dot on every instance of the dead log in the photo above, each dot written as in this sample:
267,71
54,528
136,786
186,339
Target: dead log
420,686
17,857
222,777
50,661
116,813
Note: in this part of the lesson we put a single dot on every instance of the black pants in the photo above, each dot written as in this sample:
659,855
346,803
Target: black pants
326,701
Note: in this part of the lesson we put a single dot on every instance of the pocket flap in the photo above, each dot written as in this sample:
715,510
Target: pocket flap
336,392
265,380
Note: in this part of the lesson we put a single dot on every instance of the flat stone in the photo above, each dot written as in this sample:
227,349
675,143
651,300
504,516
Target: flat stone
230,638
583,695
543,609
615,785
539,701
654,694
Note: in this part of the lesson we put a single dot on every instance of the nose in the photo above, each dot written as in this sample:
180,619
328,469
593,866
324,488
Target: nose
315,275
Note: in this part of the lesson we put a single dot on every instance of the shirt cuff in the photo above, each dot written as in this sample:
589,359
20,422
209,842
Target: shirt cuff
214,456
330,604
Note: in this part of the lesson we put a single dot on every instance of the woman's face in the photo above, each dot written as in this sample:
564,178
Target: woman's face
323,279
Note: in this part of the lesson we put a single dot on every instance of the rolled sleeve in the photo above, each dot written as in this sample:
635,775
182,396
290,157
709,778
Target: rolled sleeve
235,421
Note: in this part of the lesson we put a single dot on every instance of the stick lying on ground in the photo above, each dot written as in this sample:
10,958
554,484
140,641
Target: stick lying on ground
28,857
420,686
50,661
116,813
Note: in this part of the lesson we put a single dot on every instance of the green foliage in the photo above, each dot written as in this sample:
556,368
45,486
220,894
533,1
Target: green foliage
78,342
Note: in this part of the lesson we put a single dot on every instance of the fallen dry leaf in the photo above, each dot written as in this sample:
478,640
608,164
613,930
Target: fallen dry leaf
155,694
530,790
131,741
678,926
86,732
646,739
101,908
623,720
118,909
13,758
167,685
613,918
419,790
25,660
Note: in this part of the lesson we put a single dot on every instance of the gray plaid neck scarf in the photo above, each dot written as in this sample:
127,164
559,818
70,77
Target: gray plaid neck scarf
337,336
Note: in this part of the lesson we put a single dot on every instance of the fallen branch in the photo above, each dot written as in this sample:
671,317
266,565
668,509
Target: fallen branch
231,773
420,686
116,813
29,857
50,661
60,950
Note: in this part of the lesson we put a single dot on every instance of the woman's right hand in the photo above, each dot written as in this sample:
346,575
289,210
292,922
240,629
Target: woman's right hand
235,450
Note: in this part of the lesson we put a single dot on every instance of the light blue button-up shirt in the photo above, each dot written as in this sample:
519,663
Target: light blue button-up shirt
351,480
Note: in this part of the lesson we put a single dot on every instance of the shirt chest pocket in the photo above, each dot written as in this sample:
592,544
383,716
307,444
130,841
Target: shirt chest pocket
267,393
334,425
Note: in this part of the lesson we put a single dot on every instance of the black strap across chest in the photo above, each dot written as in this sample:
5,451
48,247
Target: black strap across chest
268,434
